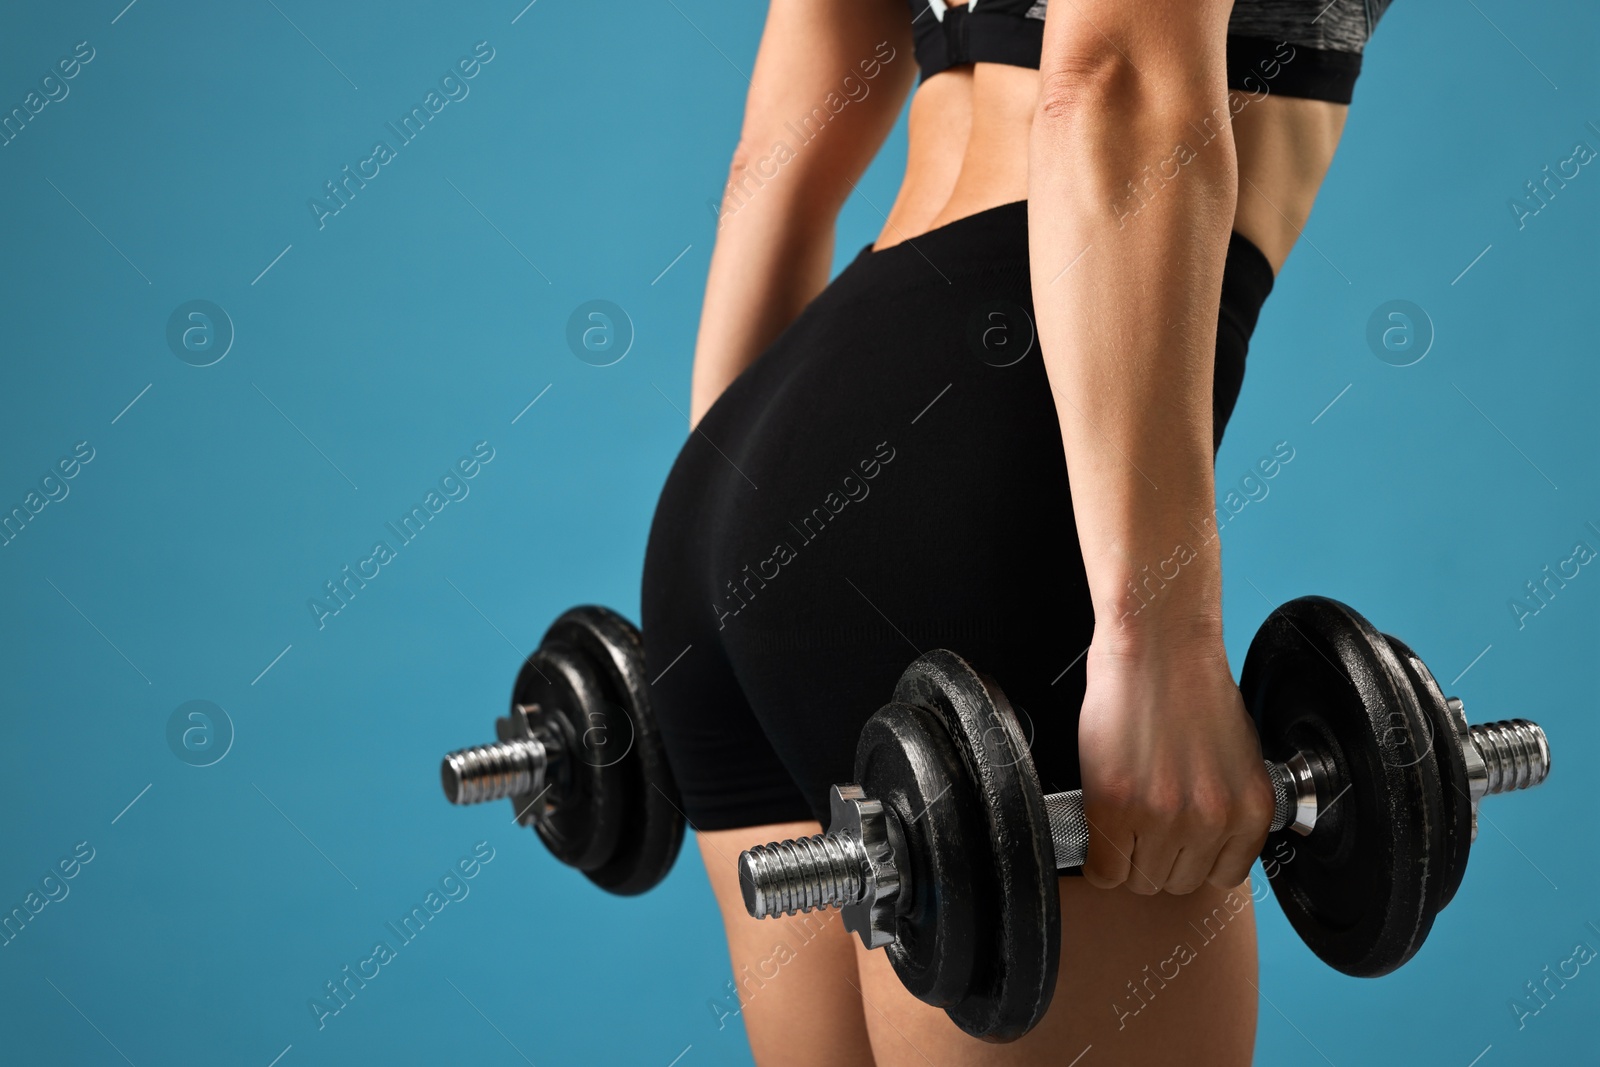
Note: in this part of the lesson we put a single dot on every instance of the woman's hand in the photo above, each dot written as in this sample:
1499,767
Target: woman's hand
1174,787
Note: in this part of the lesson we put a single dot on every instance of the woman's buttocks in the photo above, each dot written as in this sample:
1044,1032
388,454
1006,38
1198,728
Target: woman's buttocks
887,478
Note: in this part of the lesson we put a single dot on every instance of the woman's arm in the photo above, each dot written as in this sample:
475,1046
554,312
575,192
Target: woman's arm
1132,185
829,81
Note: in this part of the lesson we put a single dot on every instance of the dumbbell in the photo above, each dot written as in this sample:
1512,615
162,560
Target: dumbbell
944,850
580,756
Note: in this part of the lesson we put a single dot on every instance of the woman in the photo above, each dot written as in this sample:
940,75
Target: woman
880,465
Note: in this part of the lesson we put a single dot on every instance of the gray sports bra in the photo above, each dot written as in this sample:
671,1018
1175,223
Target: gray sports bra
1304,48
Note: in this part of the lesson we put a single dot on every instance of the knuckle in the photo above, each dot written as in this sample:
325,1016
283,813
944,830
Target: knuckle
1100,879
1164,806
1251,824
1211,814
1266,804
1260,799
1228,876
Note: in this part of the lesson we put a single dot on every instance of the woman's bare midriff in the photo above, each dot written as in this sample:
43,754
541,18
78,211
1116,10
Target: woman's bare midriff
967,150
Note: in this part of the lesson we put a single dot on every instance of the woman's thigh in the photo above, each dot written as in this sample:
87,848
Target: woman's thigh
799,989
1143,980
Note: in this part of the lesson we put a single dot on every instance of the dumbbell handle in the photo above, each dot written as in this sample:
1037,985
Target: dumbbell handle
1514,755
1292,790
834,869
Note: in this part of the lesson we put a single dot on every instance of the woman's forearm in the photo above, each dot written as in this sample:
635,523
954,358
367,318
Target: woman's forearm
1132,185
1129,214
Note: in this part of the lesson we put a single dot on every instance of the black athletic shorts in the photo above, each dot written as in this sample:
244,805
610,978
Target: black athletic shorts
888,477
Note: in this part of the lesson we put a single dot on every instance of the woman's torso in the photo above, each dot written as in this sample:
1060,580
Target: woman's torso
967,149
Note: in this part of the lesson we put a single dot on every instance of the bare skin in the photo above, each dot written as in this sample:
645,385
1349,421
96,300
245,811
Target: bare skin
1177,797
810,993
1284,146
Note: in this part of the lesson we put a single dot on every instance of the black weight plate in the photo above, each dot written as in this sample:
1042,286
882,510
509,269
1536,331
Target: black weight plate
654,824
1362,890
591,800
906,759
1013,984
1445,751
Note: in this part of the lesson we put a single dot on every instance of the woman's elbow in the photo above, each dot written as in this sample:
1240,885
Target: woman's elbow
1115,130
1163,68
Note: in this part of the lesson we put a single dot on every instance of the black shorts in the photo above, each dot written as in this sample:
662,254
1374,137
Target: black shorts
886,478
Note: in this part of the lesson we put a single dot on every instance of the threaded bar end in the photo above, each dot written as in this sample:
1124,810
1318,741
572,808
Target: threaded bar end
492,772
787,877
1516,753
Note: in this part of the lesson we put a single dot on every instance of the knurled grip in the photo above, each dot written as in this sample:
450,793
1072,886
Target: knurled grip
1069,828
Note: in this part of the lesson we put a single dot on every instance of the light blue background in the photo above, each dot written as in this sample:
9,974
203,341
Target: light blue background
407,329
